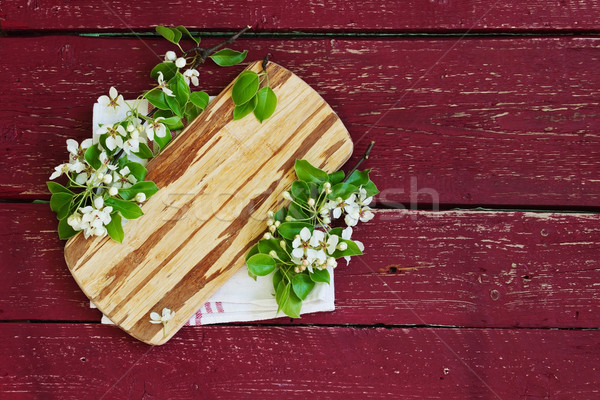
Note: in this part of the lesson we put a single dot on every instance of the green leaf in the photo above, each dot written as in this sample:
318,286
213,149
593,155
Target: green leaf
282,294
280,215
173,122
266,102
65,230
265,246
128,209
137,170
171,34
60,203
336,231
253,250
191,111
292,306
114,228
352,249
180,89
296,212
54,187
200,99
245,87
168,69
228,57
343,190
371,189
163,141
261,264
320,275
164,113
306,172
144,151
300,191
187,33
336,177
157,98
241,111
40,202
174,106
359,178
302,285
146,187
92,156
277,277
290,229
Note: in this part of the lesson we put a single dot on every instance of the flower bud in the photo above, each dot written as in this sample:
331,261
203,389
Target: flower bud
283,244
98,202
272,228
286,195
170,56
180,62
326,220
107,179
310,202
140,197
327,186
269,222
270,214
113,191
342,246
273,254
331,262
277,223
267,236
305,263
100,176
130,128
289,218
297,270
339,200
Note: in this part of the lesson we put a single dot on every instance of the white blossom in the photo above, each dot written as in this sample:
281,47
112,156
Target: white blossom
140,197
180,62
114,135
114,100
95,218
155,128
166,316
123,178
164,85
347,234
301,247
170,56
191,75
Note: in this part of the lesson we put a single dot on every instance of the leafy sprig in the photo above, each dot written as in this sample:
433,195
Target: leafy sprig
301,243
106,174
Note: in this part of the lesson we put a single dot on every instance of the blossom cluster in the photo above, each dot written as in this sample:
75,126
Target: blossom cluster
301,244
105,175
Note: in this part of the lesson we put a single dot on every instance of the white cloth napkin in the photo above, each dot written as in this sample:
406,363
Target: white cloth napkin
240,299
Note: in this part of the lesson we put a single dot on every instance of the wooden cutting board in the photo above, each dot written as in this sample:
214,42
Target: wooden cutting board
217,181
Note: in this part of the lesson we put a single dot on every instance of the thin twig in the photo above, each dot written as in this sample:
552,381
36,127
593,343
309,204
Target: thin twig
205,53
266,62
363,158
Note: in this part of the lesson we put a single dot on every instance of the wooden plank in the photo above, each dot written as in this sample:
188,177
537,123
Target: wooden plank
217,180
479,269
68,361
299,15
480,121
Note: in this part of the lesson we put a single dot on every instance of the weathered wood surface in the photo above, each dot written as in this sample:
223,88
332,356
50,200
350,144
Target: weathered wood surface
216,180
301,15
483,121
83,361
476,269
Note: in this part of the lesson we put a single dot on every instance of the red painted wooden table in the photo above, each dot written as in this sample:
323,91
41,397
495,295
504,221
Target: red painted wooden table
482,268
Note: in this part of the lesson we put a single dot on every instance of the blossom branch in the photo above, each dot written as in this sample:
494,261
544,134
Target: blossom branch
205,53
363,158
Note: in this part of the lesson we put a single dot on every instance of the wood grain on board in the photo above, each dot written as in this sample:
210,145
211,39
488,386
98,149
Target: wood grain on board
300,15
478,121
85,361
456,268
216,180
